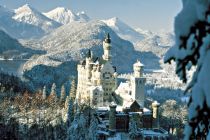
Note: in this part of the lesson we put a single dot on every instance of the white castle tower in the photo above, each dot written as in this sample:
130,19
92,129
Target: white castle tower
138,83
107,48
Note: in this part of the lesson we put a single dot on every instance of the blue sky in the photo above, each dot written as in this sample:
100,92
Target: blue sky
153,15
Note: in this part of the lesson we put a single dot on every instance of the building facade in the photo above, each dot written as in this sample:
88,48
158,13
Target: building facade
97,77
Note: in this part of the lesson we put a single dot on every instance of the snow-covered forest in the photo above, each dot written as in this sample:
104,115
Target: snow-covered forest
43,115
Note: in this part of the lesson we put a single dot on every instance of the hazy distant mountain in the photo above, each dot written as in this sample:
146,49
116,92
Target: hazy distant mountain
123,30
65,16
158,43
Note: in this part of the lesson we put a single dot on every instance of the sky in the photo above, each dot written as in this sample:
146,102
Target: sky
154,15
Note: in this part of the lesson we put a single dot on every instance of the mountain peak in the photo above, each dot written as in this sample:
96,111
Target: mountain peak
25,8
115,21
124,31
61,15
61,9
65,16
30,16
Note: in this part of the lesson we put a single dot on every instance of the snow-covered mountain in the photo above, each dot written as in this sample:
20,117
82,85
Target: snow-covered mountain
69,44
158,43
65,16
29,15
25,22
123,30
146,33
62,15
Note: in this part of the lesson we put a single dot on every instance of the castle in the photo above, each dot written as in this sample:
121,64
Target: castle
97,79
116,105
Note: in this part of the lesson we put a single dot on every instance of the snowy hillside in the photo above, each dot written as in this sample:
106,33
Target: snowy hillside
158,43
70,43
146,33
64,16
29,15
11,49
123,30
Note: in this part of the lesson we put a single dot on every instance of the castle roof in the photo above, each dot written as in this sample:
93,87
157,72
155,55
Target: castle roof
107,39
138,63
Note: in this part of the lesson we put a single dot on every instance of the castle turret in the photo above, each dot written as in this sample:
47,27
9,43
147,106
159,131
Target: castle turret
107,48
155,114
138,83
88,65
138,68
112,118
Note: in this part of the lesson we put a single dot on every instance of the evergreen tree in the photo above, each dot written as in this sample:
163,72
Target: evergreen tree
63,93
133,131
192,50
78,129
93,128
70,112
67,102
72,93
53,93
44,93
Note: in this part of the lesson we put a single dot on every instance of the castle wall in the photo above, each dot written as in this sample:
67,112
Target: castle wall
138,89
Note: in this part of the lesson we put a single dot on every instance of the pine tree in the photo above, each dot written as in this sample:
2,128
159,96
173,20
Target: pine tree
192,50
53,93
70,112
67,102
72,93
93,128
133,128
44,93
78,128
63,93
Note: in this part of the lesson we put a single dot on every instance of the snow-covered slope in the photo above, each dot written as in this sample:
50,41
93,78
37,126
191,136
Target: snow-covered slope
70,43
29,15
158,43
146,33
62,15
11,48
65,16
123,30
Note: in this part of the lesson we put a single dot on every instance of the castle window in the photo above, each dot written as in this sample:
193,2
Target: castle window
96,93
